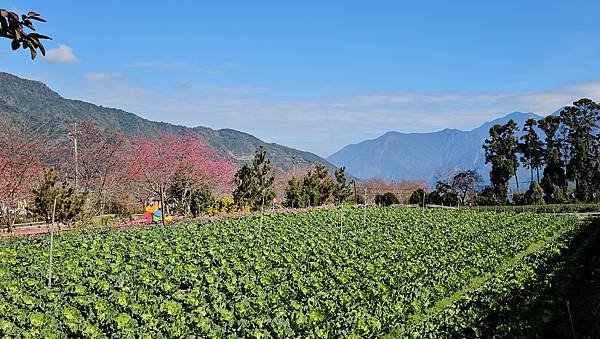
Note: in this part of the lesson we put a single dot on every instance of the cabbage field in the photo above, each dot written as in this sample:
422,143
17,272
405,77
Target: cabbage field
397,272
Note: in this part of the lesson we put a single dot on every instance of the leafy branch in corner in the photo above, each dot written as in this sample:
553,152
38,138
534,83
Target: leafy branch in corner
14,27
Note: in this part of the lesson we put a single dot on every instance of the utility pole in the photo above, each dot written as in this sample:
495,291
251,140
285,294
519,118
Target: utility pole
73,137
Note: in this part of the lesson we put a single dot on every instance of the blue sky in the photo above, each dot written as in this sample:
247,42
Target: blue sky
318,75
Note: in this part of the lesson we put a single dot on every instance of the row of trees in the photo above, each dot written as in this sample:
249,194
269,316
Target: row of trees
257,183
110,173
317,188
568,152
460,188
21,153
109,169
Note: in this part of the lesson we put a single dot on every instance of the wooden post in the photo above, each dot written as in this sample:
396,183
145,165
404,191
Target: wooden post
261,211
341,218
51,246
365,208
473,193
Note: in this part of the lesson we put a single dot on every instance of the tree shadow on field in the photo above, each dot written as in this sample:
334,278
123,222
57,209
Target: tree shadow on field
564,302
579,285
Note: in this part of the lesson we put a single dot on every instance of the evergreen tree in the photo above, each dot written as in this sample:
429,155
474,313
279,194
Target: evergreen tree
255,182
293,194
342,187
202,201
326,186
46,194
531,148
554,181
310,189
357,199
580,121
535,194
265,178
69,204
443,195
489,197
316,188
417,197
501,151
596,193
245,191
386,199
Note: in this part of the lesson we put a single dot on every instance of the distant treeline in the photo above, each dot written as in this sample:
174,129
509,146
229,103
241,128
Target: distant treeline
567,155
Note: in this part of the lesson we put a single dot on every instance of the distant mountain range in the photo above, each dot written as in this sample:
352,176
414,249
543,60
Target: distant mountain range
36,102
421,156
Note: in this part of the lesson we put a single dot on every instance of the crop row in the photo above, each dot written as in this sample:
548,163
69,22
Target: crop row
313,274
502,303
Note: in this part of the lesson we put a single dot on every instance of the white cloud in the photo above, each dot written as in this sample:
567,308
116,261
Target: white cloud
61,54
101,76
325,125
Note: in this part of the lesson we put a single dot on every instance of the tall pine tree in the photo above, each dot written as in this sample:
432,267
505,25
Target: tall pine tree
342,187
580,121
293,194
531,148
501,151
554,181
254,182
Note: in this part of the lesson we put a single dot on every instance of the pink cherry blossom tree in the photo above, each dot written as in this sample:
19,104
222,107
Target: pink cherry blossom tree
154,163
22,149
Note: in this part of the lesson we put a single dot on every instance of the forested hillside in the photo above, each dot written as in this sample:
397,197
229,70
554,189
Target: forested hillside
38,104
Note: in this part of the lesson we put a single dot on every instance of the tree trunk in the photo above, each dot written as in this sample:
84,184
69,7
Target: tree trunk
10,222
577,193
531,175
537,169
102,203
517,181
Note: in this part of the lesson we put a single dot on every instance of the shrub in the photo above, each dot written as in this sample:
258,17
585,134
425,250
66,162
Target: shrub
535,194
386,199
202,202
417,197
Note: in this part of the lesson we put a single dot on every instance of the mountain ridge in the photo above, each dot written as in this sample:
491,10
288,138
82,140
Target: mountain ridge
37,102
421,156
